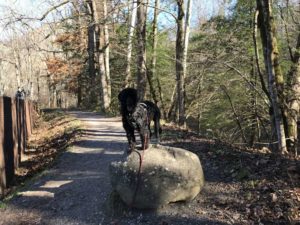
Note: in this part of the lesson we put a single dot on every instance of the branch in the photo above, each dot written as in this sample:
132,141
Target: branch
8,61
246,79
50,10
286,33
160,9
22,17
237,117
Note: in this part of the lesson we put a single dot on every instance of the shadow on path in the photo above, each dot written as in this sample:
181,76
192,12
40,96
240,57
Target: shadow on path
77,190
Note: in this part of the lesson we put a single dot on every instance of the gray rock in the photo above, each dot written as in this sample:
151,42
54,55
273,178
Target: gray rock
167,175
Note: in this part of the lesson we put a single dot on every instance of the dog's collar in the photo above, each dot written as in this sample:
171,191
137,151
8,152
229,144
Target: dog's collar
144,105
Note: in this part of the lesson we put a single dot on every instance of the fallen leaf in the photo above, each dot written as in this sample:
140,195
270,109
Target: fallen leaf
274,197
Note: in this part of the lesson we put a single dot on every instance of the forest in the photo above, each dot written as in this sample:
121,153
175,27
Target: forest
224,70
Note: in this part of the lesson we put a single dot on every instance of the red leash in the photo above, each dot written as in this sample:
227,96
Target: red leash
138,176
140,170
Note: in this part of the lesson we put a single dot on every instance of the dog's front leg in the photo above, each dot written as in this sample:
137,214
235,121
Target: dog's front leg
131,140
130,136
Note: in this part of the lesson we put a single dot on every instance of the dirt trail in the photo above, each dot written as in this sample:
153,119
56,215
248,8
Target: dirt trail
77,190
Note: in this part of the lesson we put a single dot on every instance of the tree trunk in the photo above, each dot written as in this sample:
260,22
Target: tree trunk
254,120
91,47
141,48
91,42
186,36
151,74
129,47
275,78
170,115
38,86
81,84
79,93
17,67
222,8
100,39
254,36
160,94
180,63
293,99
106,46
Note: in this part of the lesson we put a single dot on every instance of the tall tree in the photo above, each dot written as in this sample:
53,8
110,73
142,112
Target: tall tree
80,26
180,63
151,74
271,59
156,92
129,46
91,41
99,19
141,48
186,35
106,47
293,99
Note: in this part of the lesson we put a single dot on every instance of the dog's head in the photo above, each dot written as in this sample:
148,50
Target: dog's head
128,99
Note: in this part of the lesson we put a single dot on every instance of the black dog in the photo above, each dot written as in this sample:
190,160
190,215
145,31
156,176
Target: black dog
138,116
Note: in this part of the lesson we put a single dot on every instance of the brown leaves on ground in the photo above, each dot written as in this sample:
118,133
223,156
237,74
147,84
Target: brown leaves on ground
264,186
53,133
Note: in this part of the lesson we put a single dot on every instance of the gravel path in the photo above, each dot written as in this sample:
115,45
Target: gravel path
77,190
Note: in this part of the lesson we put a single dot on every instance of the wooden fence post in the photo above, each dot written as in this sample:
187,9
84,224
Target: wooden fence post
20,126
16,122
2,158
8,141
17,156
27,118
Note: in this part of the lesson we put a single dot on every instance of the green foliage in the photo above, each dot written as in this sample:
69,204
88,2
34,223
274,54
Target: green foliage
221,54
165,65
220,57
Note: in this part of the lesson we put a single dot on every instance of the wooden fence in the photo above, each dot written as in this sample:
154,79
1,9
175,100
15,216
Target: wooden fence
16,122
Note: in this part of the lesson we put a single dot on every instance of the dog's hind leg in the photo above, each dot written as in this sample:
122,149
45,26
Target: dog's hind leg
157,130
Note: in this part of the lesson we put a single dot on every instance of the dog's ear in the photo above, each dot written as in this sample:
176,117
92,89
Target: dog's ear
130,104
135,96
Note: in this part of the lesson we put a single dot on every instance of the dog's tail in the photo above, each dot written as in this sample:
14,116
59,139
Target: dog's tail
157,128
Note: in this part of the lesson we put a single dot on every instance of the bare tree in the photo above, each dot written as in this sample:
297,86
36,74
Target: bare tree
99,17
106,46
151,73
141,48
293,99
129,46
91,40
180,63
186,36
275,78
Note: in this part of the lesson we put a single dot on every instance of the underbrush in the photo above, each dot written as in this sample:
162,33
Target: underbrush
266,185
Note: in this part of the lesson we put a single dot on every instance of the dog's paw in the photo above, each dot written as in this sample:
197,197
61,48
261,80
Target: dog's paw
156,145
131,148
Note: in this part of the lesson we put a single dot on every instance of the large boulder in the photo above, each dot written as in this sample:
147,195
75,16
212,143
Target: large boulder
166,175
